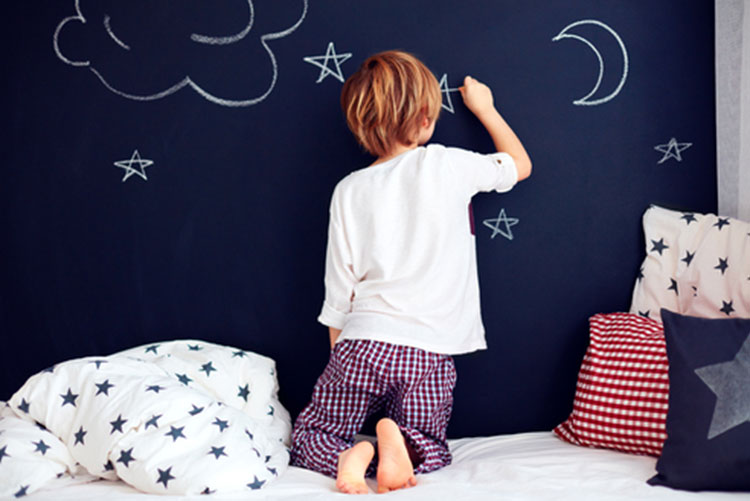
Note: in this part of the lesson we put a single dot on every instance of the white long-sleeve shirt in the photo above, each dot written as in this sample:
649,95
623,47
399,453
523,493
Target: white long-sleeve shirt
401,260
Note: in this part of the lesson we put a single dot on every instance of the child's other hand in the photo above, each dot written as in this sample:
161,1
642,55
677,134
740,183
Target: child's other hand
477,96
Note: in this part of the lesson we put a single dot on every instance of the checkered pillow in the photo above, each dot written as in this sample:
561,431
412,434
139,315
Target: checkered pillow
623,387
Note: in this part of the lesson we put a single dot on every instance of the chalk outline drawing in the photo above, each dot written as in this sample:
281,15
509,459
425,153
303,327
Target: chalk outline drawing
446,90
338,59
584,101
494,225
108,27
187,81
127,165
672,149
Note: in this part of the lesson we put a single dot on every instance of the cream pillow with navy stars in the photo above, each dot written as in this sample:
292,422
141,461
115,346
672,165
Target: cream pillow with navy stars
696,264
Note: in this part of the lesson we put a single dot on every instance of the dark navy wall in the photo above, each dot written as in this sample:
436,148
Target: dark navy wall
222,237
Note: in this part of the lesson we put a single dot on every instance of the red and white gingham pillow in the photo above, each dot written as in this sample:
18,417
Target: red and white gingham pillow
623,387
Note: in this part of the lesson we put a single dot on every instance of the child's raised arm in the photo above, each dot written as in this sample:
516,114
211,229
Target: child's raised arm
478,98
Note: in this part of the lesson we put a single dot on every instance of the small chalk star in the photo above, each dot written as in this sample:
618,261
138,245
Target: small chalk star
221,424
24,406
135,159
673,286
322,62
501,225
689,218
153,349
126,456
688,257
153,421
445,90
672,150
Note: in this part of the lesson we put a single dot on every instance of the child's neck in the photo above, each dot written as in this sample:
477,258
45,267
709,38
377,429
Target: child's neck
394,152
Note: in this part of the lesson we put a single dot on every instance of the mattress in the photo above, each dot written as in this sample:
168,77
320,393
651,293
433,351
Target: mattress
525,466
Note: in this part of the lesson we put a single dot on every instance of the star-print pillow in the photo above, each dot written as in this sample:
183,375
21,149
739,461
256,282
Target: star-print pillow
623,386
708,422
30,456
695,264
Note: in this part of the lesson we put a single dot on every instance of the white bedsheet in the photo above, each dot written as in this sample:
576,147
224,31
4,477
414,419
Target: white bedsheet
526,466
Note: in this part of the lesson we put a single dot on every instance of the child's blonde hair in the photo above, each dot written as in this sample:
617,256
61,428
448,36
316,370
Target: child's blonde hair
387,98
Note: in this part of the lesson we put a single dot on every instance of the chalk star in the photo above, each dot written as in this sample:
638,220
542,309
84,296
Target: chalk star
155,388
322,63
175,433
165,476
223,425
98,363
727,307
126,456
41,447
218,451
445,90
79,436
24,406
208,368
244,392
196,410
659,246
723,221
722,266
109,466
153,421
646,314
239,353
728,381
672,150
194,347
117,424
103,387
69,398
140,170
502,218
22,491
184,379
153,348
207,491
3,453
257,484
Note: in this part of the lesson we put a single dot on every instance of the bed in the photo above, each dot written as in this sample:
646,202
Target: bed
661,410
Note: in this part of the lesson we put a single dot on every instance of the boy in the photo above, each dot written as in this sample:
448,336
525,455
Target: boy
402,293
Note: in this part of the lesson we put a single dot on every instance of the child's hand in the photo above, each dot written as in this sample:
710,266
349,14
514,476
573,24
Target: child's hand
477,96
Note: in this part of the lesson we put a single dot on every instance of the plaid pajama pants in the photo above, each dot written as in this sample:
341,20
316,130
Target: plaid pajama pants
362,376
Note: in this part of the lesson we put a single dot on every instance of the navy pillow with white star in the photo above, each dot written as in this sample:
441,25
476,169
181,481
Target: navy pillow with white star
708,422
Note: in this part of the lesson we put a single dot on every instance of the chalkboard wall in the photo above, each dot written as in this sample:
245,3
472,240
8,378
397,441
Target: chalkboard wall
168,167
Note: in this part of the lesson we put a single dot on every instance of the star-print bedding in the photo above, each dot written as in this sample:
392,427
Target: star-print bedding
180,417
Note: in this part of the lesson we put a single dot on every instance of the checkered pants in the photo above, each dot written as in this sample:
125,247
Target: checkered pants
362,376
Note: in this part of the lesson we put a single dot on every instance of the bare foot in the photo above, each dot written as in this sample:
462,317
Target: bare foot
353,464
395,469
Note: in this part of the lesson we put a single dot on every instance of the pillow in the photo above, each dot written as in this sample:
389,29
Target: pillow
622,391
695,264
708,423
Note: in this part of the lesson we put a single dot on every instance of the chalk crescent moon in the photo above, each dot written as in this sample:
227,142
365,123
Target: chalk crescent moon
584,101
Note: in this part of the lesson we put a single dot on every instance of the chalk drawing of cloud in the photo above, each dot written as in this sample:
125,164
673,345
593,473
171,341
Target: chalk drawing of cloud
81,20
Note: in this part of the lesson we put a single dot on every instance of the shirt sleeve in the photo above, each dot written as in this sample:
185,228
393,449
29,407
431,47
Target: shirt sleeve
485,172
339,275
